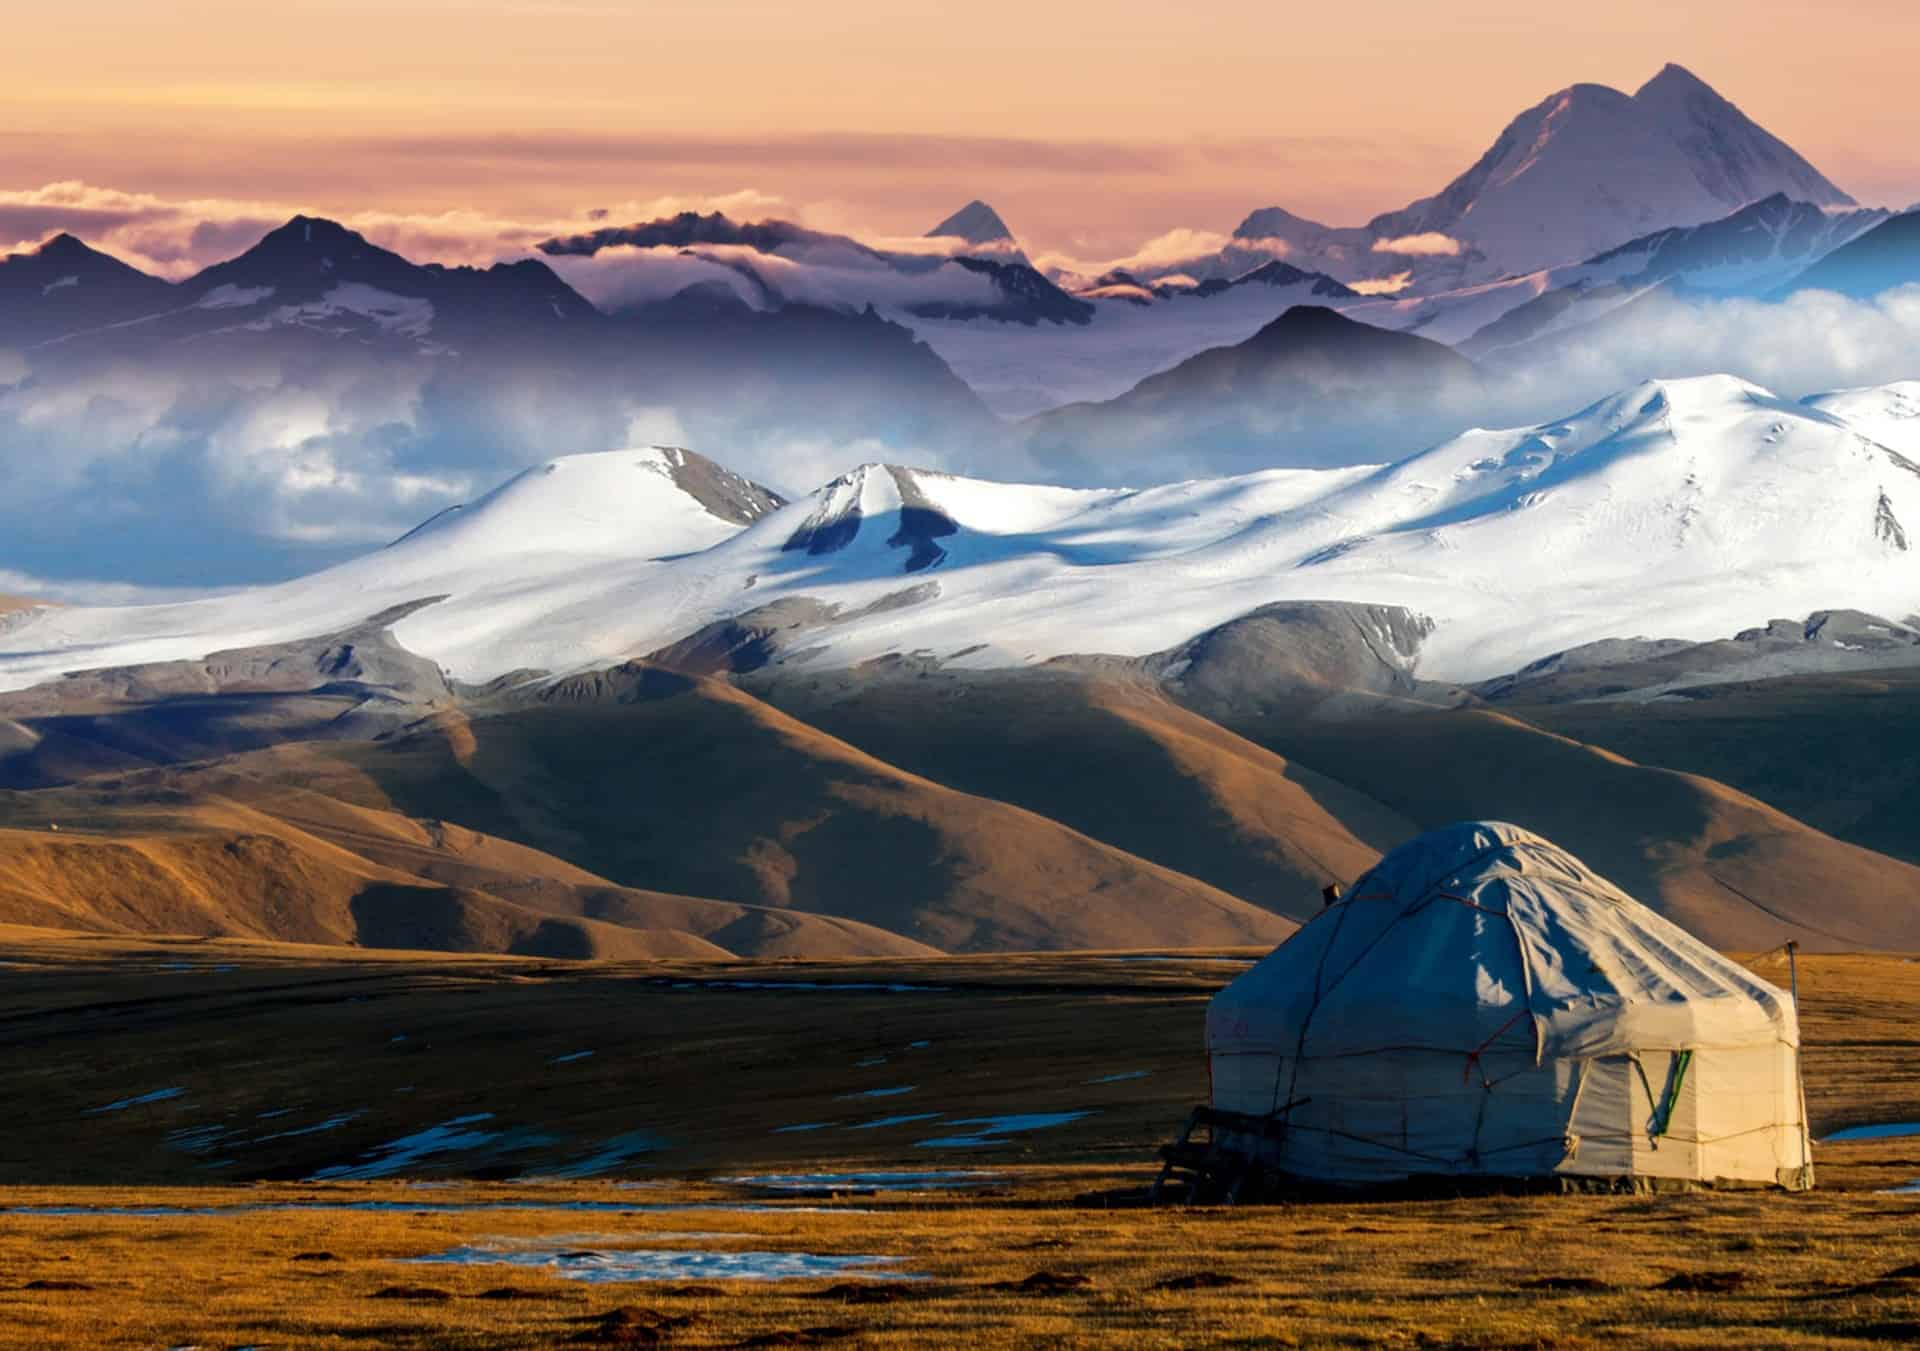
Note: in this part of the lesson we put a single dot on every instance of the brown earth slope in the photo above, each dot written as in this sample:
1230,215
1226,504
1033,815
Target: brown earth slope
1840,752
220,869
163,854
1735,871
1117,760
704,790
890,814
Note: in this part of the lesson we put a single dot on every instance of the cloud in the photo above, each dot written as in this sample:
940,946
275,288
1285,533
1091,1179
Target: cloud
83,592
1174,251
833,276
1382,286
867,151
245,468
1431,244
1809,343
175,237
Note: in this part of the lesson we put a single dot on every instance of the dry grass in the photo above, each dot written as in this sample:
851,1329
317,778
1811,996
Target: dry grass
715,1072
1485,1273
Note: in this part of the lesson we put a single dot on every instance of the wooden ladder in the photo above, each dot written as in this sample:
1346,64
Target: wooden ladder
1208,1171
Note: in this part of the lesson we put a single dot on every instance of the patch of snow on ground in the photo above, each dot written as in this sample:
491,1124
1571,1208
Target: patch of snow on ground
995,1130
673,1264
1121,1077
398,1155
880,1092
158,1095
805,1126
331,1123
404,316
231,297
611,1154
1884,1131
879,1123
569,1059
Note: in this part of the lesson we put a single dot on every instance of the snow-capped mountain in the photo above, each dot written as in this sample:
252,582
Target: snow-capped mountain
1747,252
64,286
315,274
975,223
1890,414
317,393
1877,261
1590,167
1683,509
309,277
1732,156
1583,171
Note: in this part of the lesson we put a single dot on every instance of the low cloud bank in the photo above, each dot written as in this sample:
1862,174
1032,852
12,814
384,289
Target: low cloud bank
1432,244
175,237
836,277
183,476
1811,342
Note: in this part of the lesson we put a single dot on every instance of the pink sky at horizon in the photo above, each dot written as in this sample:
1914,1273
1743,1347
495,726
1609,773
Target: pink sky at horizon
1090,128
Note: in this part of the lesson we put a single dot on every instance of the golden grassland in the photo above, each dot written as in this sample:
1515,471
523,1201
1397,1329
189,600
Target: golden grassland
715,1071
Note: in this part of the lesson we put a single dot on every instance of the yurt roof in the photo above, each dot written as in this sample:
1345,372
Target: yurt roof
1483,931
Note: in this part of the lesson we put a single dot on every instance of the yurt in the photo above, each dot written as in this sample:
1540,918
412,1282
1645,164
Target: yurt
1483,1005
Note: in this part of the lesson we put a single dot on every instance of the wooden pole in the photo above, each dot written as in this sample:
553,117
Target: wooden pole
1799,1073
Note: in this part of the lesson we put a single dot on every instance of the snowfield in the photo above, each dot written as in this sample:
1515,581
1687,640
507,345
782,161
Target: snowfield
1677,509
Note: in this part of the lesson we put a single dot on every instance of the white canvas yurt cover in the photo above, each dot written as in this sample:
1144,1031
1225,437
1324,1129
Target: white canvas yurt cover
1483,1005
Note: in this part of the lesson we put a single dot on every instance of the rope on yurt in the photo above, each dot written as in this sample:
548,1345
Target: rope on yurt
1633,1058
1663,1110
1319,974
1473,1056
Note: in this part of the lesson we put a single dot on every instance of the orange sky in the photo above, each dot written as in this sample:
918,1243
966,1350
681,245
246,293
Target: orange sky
1091,126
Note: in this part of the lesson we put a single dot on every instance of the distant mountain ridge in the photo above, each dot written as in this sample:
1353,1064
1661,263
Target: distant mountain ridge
1020,293
316,381
1743,254
976,223
64,285
1586,169
1877,261
1303,371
